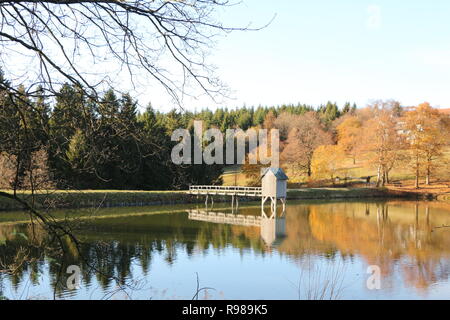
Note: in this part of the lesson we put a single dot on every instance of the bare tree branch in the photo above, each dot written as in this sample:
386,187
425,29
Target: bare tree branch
81,42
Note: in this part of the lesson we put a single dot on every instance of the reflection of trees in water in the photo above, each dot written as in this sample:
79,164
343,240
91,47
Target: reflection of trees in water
112,248
391,235
383,234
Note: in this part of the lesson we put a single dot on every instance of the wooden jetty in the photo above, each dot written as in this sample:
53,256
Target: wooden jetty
273,187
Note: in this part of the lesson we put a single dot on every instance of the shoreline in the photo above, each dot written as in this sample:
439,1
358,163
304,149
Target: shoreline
114,198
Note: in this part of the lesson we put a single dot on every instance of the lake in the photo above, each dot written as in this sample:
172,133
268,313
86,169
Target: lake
317,250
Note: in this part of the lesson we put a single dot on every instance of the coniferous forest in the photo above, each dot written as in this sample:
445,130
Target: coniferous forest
129,147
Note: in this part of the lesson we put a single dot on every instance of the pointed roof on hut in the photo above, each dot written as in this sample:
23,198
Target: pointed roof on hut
278,173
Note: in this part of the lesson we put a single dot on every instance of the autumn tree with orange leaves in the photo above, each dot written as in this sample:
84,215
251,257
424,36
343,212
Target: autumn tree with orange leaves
326,162
305,136
427,135
381,141
349,136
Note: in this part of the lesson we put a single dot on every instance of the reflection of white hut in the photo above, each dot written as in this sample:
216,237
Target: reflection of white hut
274,187
273,231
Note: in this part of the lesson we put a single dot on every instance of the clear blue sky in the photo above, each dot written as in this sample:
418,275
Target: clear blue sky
338,50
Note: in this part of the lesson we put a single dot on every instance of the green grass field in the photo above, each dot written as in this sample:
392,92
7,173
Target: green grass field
232,176
95,198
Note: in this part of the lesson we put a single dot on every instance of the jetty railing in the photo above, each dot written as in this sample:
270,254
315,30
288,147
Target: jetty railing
227,191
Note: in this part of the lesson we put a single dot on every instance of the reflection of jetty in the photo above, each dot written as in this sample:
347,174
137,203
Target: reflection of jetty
217,217
272,229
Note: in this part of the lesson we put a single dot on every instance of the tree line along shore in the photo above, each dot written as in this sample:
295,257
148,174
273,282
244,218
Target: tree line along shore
114,198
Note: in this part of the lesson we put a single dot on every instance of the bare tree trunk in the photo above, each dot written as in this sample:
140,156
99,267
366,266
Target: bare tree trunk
383,177
382,174
428,175
417,173
378,176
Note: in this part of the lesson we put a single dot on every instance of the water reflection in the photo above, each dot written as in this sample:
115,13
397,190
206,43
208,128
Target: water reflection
272,229
408,240
388,234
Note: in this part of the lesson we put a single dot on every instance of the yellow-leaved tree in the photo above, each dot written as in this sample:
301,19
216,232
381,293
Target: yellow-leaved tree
326,162
349,136
427,135
305,135
381,142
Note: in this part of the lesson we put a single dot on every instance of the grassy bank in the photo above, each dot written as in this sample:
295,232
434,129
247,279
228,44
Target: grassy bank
97,198
340,193
113,198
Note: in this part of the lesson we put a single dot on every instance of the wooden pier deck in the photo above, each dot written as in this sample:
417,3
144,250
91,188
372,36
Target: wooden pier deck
226,191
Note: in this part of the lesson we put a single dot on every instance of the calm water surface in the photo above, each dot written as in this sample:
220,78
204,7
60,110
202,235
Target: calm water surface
317,250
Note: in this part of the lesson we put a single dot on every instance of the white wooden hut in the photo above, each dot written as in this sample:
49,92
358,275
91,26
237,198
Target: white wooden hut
274,183
274,187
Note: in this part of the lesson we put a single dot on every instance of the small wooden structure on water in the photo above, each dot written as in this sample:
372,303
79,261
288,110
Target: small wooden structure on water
273,188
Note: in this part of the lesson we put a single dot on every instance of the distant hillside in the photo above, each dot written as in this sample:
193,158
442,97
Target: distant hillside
445,111
442,110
